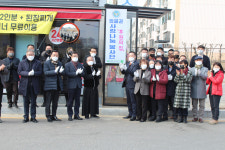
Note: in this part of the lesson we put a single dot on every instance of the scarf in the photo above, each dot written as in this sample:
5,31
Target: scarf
198,66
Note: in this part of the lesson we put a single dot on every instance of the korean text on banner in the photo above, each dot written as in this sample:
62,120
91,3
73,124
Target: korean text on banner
115,42
26,22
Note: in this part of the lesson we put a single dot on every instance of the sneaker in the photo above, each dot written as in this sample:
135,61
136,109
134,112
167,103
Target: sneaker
212,122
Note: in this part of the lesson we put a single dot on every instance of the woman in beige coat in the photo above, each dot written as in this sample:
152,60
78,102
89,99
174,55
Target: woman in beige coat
142,79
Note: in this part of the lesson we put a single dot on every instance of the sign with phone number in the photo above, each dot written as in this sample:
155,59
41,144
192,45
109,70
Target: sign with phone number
26,22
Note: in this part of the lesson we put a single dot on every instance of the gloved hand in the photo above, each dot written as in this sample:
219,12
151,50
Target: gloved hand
157,77
125,67
93,73
121,66
56,69
98,73
61,69
77,72
31,73
48,58
153,78
136,74
81,71
170,77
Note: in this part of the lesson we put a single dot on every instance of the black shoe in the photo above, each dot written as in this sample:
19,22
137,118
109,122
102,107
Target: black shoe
94,116
185,119
152,118
164,118
86,116
132,118
70,119
10,106
43,105
54,118
15,104
159,119
77,117
25,120
127,117
138,119
49,119
33,120
180,119
142,120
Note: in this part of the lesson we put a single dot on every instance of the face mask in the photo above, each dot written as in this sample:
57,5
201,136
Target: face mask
131,59
171,63
159,54
48,52
216,69
93,54
30,58
11,54
200,52
143,67
158,67
90,63
198,63
152,55
176,56
55,58
143,55
151,66
74,59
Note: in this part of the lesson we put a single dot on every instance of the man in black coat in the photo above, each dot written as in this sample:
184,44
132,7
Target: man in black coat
200,52
96,60
74,72
90,105
53,70
128,70
3,72
30,70
171,85
12,79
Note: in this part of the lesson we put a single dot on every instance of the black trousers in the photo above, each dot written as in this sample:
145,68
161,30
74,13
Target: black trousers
1,92
160,104
180,112
12,89
142,105
169,102
30,98
215,102
73,94
149,106
52,96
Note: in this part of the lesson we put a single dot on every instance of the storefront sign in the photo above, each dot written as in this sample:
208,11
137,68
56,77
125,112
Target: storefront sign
26,22
69,32
54,36
115,42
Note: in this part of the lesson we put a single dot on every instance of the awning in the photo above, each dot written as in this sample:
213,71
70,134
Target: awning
64,13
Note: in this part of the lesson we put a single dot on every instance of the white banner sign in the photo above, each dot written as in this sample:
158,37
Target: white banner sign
115,42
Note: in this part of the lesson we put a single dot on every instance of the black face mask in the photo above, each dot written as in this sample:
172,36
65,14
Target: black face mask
152,55
48,52
176,56
170,63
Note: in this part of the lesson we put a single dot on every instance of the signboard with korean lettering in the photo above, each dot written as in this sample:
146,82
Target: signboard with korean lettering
26,22
115,41
54,36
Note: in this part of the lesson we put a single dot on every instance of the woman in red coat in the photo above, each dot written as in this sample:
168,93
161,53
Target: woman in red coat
215,90
158,83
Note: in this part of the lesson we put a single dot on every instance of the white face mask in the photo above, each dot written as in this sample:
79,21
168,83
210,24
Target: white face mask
158,67
143,67
30,58
90,63
143,55
151,66
198,63
74,59
55,58
216,70
200,52
159,54
131,59
93,54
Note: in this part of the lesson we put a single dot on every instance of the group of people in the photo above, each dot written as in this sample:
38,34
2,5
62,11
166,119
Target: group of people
157,84
53,76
